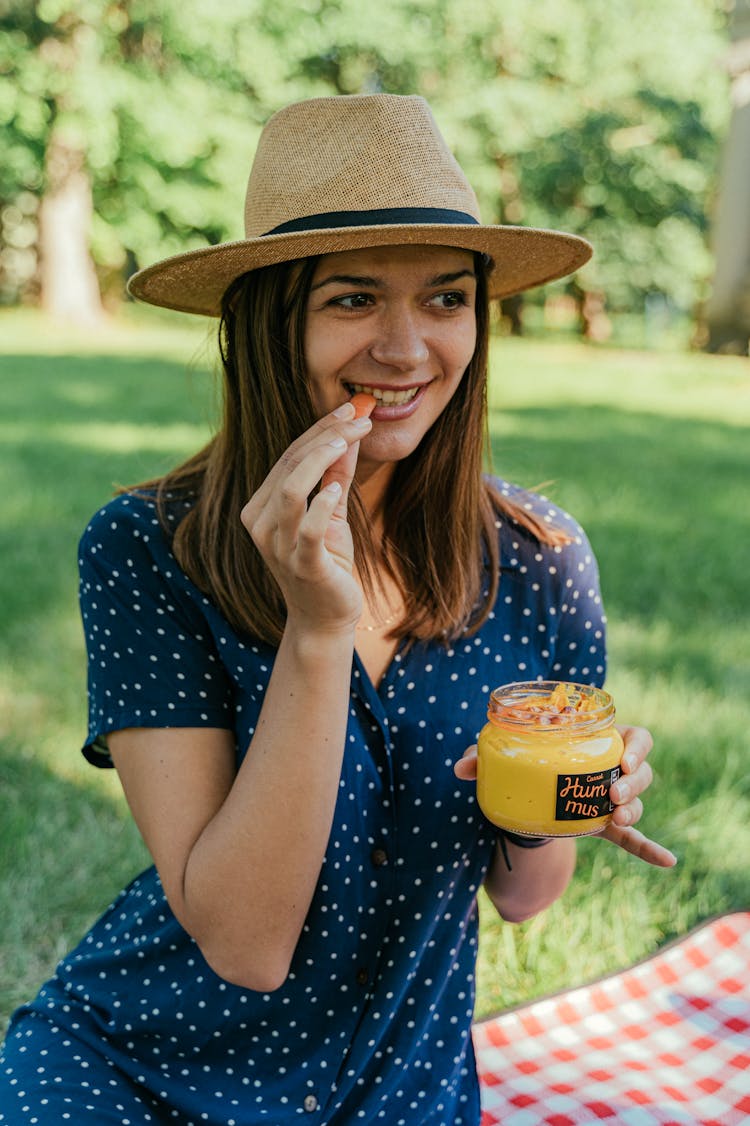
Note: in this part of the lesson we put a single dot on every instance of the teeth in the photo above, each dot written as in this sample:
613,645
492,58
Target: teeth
395,397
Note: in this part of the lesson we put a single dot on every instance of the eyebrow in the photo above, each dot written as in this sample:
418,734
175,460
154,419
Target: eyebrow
364,281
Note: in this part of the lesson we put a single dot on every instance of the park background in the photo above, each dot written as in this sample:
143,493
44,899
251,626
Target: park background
126,134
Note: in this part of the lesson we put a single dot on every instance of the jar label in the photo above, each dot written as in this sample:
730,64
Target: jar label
583,797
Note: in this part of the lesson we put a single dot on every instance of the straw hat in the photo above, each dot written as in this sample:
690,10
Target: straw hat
348,172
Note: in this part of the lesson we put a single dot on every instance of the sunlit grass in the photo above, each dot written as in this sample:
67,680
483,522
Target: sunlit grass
649,451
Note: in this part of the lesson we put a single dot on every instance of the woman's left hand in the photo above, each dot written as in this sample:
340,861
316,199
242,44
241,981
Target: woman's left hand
636,776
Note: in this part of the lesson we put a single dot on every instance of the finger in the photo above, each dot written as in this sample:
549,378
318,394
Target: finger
311,555
629,786
272,515
343,471
634,842
466,767
638,744
316,466
628,814
341,422
281,503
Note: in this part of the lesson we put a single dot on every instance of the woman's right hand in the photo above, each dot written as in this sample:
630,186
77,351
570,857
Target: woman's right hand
307,546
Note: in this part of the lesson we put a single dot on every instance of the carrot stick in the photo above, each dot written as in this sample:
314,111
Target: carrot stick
363,404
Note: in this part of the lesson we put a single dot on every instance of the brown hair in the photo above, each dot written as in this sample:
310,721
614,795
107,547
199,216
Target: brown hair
440,513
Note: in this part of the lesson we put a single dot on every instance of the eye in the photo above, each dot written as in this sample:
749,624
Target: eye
352,301
452,299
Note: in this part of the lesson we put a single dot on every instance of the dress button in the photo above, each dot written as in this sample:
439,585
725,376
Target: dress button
379,857
310,1103
362,975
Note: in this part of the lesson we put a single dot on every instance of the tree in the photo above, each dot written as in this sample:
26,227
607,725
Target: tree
602,118
101,129
728,311
52,53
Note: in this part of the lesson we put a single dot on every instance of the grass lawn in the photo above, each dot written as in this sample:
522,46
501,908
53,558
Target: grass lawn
649,450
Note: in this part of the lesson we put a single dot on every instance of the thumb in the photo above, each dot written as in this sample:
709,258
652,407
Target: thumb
466,767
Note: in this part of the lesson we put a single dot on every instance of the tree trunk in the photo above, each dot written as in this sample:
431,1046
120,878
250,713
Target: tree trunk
593,321
70,289
728,309
511,310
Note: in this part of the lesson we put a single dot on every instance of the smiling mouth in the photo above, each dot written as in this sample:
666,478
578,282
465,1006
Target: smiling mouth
388,397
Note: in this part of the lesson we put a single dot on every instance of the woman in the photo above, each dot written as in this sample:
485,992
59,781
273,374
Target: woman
291,642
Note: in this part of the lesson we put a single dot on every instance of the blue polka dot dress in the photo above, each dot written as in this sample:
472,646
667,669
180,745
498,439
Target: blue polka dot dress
373,1024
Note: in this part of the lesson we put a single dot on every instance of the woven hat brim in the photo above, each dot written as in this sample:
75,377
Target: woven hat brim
195,281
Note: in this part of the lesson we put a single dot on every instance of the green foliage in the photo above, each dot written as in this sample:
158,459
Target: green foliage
603,117
600,118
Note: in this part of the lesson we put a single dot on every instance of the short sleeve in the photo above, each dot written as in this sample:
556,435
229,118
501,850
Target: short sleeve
152,661
563,589
580,651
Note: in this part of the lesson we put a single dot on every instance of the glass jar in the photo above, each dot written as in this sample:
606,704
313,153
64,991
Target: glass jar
547,758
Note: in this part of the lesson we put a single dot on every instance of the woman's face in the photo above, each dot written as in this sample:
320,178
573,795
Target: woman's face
395,321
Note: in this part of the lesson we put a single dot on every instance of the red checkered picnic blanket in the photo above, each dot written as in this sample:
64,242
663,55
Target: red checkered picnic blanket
667,1042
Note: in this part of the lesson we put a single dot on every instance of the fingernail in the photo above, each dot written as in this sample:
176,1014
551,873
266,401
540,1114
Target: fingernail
346,410
334,487
362,423
622,793
338,443
629,762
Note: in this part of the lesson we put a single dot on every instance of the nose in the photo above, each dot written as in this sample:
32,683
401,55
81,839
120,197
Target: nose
400,340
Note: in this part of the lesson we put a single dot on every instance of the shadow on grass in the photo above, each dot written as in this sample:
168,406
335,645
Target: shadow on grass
66,850
664,502
663,499
104,389
73,430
